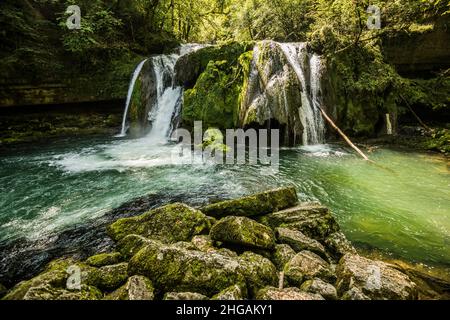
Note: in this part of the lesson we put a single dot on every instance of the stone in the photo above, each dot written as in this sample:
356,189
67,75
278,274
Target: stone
108,277
321,287
299,242
48,292
375,279
272,293
244,232
312,219
354,294
307,265
168,224
3,290
129,245
136,288
338,245
282,254
258,271
104,259
254,205
231,293
184,296
203,243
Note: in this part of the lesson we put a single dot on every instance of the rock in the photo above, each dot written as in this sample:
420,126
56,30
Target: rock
104,259
313,219
354,294
253,205
338,245
185,245
47,292
203,243
3,290
306,265
272,293
298,241
375,279
230,293
136,288
283,254
169,224
184,296
131,244
176,269
258,271
243,231
321,287
108,277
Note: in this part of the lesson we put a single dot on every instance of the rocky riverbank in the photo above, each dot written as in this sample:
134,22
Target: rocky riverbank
263,246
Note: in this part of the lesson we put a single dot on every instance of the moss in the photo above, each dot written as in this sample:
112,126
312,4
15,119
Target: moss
258,271
108,277
104,259
129,245
234,292
136,288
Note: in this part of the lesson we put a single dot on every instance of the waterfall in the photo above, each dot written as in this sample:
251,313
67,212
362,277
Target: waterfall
309,113
136,73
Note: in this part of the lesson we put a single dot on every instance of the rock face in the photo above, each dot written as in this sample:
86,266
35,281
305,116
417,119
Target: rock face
375,279
243,231
253,205
306,265
298,241
171,223
271,293
312,219
136,288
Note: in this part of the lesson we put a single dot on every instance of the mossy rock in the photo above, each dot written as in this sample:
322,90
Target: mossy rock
326,290
188,296
104,259
281,255
244,232
258,271
306,265
254,205
129,245
136,288
169,224
3,290
272,293
230,293
108,278
298,241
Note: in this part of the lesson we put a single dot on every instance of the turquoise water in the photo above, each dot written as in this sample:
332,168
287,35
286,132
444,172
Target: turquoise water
401,208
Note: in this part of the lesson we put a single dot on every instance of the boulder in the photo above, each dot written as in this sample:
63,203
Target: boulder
203,243
129,245
136,288
338,245
307,265
354,294
184,296
375,279
175,269
313,219
169,224
108,278
272,293
258,271
282,254
104,259
244,232
321,287
231,293
48,292
253,205
299,242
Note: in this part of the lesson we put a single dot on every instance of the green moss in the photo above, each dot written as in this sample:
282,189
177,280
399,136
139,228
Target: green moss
108,277
104,259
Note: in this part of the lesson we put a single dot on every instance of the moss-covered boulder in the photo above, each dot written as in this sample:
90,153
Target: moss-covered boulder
171,268
326,290
299,242
258,271
3,290
171,223
338,245
110,277
254,205
281,255
375,279
104,259
306,265
272,293
312,219
244,232
136,288
48,292
129,245
230,293
193,296
203,243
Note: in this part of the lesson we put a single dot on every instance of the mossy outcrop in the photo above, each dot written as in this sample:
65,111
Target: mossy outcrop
171,223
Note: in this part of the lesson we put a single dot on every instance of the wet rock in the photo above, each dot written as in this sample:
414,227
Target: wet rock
253,205
136,288
272,293
243,231
104,259
338,245
258,271
176,269
313,219
169,224
375,279
354,294
108,278
298,241
230,293
184,296
282,254
321,287
307,265
48,292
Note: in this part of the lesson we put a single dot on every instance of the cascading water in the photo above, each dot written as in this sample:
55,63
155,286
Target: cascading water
136,73
310,115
